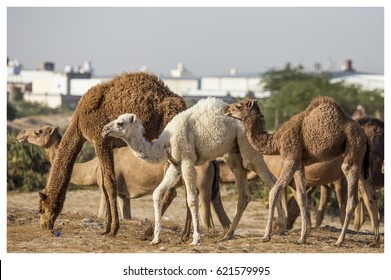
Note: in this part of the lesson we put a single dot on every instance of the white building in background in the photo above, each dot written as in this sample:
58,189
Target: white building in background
365,81
350,76
57,88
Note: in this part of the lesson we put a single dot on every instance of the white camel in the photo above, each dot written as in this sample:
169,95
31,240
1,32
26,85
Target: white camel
199,134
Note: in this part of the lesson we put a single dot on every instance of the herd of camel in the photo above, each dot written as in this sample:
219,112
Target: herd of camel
171,146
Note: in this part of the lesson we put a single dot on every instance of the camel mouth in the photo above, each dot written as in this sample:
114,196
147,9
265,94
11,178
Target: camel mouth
106,132
21,139
228,113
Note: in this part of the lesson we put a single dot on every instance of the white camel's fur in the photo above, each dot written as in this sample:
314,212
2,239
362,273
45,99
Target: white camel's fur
199,134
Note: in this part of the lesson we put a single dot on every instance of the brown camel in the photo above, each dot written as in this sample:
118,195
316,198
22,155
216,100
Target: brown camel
135,178
141,93
329,175
322,132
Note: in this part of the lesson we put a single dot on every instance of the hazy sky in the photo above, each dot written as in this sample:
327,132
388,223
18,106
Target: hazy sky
207,40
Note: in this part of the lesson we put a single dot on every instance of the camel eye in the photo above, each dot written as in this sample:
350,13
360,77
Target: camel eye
38,132
120,124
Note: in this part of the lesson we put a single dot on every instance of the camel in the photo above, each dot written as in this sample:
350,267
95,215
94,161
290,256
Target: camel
329,176
135,178
322,132
199,134
139,92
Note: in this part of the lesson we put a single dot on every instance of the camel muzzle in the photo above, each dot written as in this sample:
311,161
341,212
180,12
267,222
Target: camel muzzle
106,131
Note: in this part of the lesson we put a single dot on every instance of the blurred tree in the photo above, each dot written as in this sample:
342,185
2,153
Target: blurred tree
292,90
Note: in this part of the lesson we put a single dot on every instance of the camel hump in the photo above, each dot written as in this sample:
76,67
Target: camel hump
370,121
321,100
136,86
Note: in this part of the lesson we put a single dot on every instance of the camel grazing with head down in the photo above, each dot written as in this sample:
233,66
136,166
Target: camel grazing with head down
141,93
322,132
135,178
199,134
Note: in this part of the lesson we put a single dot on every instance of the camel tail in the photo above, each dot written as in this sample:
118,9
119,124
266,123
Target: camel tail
217,205
367,162
216,180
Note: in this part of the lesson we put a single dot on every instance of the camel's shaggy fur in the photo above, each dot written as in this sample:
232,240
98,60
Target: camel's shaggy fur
193,137
322,132
135,178
141,93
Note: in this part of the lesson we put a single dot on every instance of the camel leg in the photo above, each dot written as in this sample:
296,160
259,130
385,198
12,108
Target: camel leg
252,160
234,162
359,212
352,174
103,207
286,175
217,205
105,154
324,197
169,181
205,180
189,174
293,207
186,230
218,210
204,208
302,202
341,192
168,197
124,207
284,202
370,201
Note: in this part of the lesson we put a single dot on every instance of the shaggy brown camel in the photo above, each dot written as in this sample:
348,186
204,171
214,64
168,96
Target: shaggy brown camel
141,93
322,132
329,175
135,178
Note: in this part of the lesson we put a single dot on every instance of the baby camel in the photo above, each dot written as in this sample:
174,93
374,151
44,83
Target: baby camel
322,132
199,134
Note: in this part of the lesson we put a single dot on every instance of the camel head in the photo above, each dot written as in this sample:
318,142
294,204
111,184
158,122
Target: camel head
123,127
47,213
239,109
43,136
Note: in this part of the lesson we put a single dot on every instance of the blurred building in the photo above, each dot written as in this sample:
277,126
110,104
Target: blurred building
54,89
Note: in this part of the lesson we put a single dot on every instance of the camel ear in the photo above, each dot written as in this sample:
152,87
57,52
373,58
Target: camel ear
252,102
132,118
53,129
43,196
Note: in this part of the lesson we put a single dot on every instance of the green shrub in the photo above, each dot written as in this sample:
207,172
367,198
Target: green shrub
27,166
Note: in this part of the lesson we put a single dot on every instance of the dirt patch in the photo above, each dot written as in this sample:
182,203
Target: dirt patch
80,230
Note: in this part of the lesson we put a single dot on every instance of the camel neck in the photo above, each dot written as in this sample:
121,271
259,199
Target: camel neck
52,148
61,171
256,134
152,152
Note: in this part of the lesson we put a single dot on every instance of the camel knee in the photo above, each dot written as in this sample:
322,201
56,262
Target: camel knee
157,197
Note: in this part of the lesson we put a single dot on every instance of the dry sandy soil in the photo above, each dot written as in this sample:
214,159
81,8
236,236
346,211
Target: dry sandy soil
80,229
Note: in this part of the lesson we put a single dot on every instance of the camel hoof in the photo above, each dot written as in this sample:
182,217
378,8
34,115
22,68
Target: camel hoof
266,239
337,244
185,237
154,242
225,238
195,243
301,241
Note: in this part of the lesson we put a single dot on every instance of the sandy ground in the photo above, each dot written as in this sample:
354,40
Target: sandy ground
80,229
